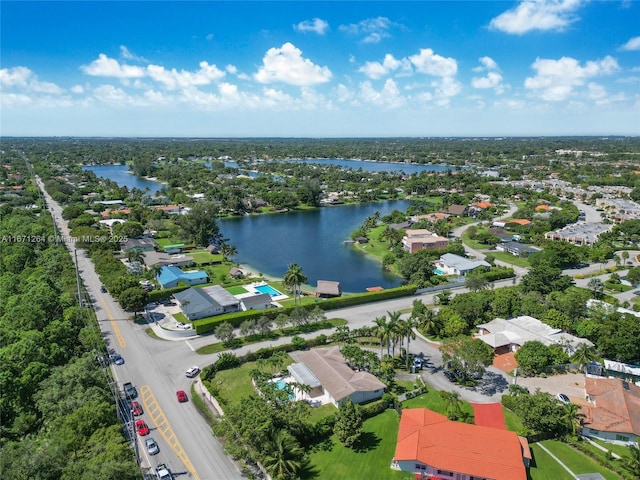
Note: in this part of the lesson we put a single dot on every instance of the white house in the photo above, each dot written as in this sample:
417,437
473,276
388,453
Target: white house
452,264
509,335
331,375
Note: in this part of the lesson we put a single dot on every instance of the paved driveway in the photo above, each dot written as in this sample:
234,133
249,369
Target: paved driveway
571,384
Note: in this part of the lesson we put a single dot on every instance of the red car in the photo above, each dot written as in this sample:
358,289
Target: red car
142,428
182,396
136,409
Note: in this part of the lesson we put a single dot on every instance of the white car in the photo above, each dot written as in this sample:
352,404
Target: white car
192,372
184,326
152,446
563,398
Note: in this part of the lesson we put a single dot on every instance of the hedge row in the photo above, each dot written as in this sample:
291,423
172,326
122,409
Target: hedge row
157,295
208,325
497,273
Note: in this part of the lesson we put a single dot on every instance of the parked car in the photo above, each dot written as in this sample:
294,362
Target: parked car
142,428
136,409
563,398
163,473
152,446
182,396
184,326
103,289
129,390
116,358
192,372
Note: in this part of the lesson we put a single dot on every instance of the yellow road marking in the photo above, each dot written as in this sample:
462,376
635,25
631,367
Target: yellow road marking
116,330
158,418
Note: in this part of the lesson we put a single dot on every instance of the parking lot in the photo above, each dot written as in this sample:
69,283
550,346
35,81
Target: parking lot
571,384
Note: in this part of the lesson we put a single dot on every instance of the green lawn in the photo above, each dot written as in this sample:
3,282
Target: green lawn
370,460
512,421
203,257
238,290
545,467
577,461
433,401
508,258
612,447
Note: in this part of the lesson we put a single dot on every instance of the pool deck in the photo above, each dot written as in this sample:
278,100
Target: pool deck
251,291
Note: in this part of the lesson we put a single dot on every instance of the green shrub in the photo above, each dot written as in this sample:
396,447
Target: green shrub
157,295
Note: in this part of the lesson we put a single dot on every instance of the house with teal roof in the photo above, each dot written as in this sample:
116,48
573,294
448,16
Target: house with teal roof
170,277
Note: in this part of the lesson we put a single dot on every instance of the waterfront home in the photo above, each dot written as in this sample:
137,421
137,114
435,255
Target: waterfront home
170,277
144,244
422,239
259,301
206,302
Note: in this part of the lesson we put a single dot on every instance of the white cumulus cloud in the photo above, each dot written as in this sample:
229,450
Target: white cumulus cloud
173,79
377,70
286,65
317,25
492,79
104,66
540,15
432,64
556,80
22,78
388,96
632,45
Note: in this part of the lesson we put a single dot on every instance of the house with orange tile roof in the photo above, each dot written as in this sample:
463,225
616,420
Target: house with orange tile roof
613,411
519,221
482,205
542,208
432,445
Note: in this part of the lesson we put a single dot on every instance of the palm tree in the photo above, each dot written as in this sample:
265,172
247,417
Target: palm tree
134,255
380,330
394,320
453,403
228,251
596,285
573,416
584,354
293,278
409,325
430,323
633,462
284,459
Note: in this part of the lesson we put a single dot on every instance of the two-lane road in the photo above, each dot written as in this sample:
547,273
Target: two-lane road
157,369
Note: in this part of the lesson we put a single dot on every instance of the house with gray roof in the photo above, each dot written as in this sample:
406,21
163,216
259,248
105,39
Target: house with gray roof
256,302
516,249
164,259
452,264
338,381
508,335
198,303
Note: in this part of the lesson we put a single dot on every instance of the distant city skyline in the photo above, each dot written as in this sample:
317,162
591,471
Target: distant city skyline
320,69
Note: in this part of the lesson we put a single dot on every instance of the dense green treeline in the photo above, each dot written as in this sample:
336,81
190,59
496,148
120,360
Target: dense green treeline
58,415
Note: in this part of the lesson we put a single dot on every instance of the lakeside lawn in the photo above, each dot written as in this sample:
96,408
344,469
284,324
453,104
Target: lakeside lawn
369,460
511,259
202,257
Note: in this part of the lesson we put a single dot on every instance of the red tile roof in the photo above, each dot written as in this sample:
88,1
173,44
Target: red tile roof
483,204
519,221
489,415
432,439
615,407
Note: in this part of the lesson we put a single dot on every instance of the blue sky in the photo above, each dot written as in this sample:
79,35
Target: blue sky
320,69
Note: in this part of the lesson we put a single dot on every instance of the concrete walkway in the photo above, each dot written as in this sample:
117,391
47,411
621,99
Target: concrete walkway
556,459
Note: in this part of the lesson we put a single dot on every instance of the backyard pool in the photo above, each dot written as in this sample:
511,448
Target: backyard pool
437,271
282,385
268,289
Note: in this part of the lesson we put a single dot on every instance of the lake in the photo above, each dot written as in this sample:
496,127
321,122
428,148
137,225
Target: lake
315,241
123,177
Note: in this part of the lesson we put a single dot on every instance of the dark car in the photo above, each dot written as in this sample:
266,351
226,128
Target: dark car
129,390
116,358
103,289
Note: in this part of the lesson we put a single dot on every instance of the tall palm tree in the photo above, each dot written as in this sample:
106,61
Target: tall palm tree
633,462
284,459
394,324
380,330
453,403
293,278
228,251
409,325
573,416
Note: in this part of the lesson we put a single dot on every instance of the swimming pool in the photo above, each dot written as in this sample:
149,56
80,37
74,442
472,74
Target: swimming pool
437,271
281,385
268,289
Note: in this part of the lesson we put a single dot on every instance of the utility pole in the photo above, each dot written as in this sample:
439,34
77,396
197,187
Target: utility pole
80,299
